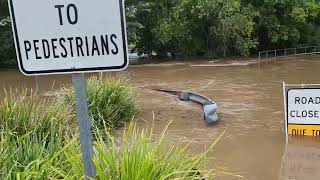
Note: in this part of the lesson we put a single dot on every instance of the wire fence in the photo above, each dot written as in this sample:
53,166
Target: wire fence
270,54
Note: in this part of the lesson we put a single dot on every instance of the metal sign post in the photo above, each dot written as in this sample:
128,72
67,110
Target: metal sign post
84,124
285,110
37,85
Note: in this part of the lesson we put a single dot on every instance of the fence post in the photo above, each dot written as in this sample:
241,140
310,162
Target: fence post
285,52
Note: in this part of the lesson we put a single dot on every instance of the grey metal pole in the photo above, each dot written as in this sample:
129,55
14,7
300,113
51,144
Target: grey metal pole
37,85
85,125
285,109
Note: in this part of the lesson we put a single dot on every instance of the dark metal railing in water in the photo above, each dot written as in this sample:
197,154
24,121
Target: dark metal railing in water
210,108
266,55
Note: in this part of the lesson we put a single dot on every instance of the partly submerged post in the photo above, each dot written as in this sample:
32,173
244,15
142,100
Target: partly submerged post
285,109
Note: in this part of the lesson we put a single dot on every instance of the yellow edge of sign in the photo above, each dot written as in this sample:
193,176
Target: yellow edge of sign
304,130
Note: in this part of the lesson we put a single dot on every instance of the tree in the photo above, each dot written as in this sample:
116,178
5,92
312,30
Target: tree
4,11
7,51
208,27
191,27
235,26
144,19
285,23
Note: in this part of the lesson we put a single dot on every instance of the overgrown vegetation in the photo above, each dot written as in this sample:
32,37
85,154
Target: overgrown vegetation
110,100
221,27
206,27
141,156
7,51
22,112
34,144
32,132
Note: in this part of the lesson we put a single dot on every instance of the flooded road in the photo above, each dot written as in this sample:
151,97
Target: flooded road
250,106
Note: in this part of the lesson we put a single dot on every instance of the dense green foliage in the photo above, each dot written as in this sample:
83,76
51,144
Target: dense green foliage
206,27
34,144
221,27
7,51
4,8
111,101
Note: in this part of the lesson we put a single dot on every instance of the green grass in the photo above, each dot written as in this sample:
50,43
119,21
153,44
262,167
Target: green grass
111,101
139,155
23,112
31,156
38,141
32,132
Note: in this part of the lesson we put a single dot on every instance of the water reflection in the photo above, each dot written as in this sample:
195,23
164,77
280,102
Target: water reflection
301,159
250,101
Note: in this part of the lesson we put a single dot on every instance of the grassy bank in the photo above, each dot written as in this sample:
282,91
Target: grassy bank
38,141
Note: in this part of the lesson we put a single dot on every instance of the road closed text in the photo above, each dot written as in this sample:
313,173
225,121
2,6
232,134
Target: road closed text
305,113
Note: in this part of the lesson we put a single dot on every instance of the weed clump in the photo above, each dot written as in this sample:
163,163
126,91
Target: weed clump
139,155
111,101
32,132
23,112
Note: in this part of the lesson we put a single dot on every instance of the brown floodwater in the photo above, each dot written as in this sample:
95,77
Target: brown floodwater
250,107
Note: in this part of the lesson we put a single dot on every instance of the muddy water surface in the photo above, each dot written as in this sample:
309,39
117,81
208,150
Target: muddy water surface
249,97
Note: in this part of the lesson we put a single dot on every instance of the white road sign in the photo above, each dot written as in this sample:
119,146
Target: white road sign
304,106
303,111
54,37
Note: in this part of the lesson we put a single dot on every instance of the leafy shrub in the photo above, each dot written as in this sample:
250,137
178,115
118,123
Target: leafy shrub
110,100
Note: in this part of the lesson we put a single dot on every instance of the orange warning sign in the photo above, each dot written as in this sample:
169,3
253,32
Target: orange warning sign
304,130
